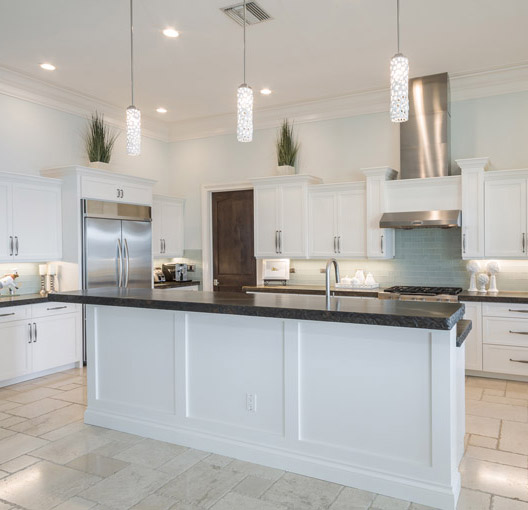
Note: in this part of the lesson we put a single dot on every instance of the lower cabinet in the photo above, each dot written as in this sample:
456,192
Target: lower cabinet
474,339
42,341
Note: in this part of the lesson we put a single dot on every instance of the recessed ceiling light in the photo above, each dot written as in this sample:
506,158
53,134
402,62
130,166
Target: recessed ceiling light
48,67
161,110
170,32
265,92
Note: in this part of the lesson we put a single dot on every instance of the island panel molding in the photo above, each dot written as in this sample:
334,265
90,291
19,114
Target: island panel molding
258,389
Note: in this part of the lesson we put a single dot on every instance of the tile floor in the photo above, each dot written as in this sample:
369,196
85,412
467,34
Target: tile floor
50,460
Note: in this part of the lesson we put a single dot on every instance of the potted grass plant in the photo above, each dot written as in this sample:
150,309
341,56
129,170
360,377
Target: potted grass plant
287,149
99,142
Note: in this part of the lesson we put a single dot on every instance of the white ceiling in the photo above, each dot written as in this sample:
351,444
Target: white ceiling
312,49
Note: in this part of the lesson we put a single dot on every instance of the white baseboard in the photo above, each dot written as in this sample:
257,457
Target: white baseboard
36,375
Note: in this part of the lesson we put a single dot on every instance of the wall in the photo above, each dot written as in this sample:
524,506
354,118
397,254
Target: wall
34,137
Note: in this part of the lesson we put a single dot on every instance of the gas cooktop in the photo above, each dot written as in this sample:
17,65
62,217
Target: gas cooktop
424,291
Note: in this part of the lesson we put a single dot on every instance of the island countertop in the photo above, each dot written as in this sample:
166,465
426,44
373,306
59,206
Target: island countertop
408,314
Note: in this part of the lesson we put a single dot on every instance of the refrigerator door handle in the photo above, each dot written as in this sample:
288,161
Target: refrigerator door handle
127,262
119,263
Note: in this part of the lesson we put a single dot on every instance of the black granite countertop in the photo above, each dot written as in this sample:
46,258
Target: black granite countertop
314,290
23,299
175,285
440,316
499,297
464,327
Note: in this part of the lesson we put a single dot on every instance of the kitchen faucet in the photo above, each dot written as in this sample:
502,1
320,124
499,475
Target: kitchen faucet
328,266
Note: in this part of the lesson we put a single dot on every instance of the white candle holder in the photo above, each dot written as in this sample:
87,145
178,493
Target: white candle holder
473,267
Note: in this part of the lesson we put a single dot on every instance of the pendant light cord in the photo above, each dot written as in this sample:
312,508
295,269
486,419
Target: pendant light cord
244,41
398,22
132,49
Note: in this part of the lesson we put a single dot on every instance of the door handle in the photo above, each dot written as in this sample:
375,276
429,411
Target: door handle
56,308
30,333
11,246
164,246
122,193
518,360
6,314
518,332
381,244
127,263
524,242
16,246
118,194
335,244
276,241
464,243
517,311
161,245
34,332
338,244
216,283
280,241
119,264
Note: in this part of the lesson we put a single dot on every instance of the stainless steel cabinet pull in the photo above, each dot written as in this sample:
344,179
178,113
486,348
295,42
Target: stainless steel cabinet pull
464,243
518,360
30,333
518,332
119,263
164,246
127,263
276,241
517,311
338,244
16,246
6,314
335,244
524,243
381,244
280,241
11,245
34,333
118,194
57,308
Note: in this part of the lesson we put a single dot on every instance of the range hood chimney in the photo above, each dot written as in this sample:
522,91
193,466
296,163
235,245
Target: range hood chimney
424,138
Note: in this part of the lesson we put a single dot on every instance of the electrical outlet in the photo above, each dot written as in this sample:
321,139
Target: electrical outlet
322,270
191,268
292,270
251,403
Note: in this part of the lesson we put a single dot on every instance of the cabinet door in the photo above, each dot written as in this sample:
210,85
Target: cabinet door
505,218
351,220
6,219
14,355
474,340
322,224
380,241
55,342
472,214
157,228
37,222
292,238
172,228
266,221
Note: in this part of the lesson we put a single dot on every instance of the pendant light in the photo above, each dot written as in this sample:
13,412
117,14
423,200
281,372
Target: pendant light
244,101
133,115
399,74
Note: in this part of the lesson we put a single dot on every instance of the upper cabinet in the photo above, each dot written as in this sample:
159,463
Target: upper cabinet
30,219
506,215
281,219
167,226
336,219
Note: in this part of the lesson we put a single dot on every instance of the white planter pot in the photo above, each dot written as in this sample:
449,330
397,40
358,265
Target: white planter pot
99,165
285,170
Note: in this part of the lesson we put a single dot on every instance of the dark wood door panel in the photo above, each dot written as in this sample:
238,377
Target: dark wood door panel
234,262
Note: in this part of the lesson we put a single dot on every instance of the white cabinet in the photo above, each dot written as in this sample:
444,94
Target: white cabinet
337,221
167,226
281,217
115,189
474,340
30,219
506,217
38,338
380,241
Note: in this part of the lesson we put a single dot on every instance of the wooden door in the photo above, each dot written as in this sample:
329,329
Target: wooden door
233,249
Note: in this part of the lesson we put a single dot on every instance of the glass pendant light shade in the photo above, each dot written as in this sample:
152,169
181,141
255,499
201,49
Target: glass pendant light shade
244,113
133,121
399,85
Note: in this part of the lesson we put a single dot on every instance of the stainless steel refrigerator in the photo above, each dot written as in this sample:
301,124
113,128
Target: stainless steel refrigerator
117,245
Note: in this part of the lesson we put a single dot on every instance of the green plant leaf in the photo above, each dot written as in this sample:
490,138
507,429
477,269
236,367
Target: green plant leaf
99,139
287,146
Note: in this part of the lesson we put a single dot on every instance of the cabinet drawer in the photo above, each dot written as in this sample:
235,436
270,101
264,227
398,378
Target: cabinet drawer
505,310
49,309
14,313
498,358
115,191
505,331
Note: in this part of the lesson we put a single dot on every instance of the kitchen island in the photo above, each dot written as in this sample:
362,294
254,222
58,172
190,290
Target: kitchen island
369,394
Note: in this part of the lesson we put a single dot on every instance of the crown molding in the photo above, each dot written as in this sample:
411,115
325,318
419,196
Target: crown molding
21,86
464,86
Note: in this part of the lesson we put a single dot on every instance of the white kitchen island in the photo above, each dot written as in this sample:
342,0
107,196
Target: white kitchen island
369,394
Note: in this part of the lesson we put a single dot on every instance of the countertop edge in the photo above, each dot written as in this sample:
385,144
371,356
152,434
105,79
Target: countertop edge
464,327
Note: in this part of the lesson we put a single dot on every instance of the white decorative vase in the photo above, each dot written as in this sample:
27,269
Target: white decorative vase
493,285
99,165
473,283
285,170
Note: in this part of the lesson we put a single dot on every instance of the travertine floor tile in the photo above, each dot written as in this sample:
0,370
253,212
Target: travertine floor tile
234,501
483,441
183,462
19,463
44,485
300,492
126,487
514,437
256,470
76,396
353,499
253,486
508,504
493,393
9,422
507,481
473,500
505,400
482,426
386,503
5,405
473,393
498,456
18,444
499,411
218,460
33,395
154,502
76,503
481,382
150,453
97,465
6,433
38,408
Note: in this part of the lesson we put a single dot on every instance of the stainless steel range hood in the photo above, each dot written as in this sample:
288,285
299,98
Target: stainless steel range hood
421,219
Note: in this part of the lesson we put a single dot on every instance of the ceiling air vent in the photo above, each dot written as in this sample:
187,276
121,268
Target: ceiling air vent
254,13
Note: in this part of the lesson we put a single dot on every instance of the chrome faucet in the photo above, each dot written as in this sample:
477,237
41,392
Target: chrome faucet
328,266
